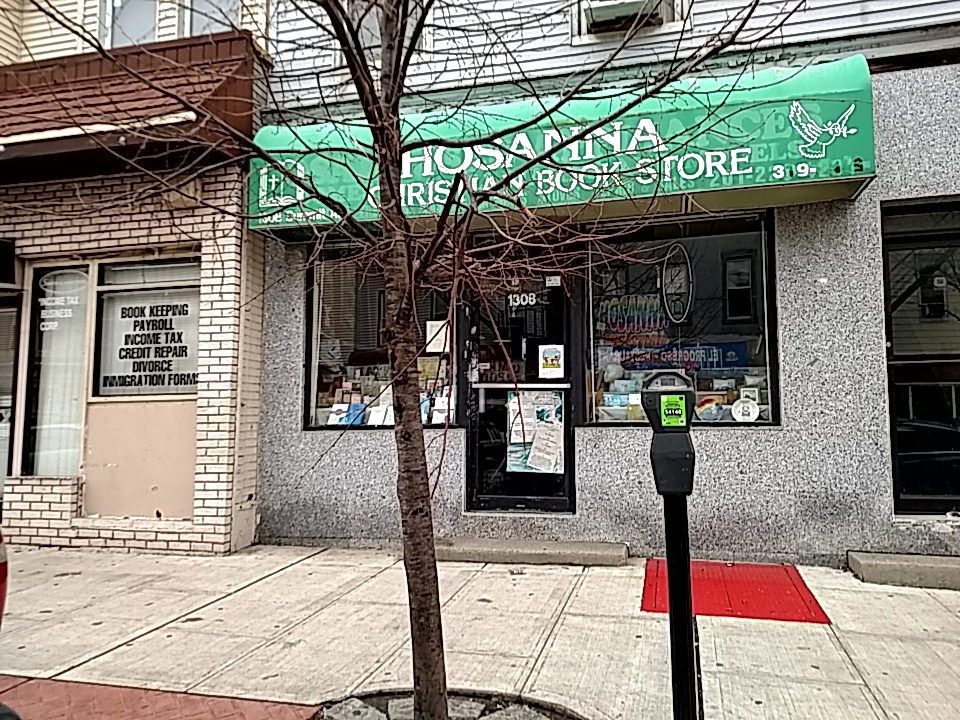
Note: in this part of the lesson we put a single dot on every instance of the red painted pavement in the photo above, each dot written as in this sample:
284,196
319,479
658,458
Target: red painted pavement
61,700
746,590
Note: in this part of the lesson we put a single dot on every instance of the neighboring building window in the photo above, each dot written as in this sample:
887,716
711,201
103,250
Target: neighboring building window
147,328
133,22
365,16
55,372
596,19
348,368
212,16
662,301
738,289
9,342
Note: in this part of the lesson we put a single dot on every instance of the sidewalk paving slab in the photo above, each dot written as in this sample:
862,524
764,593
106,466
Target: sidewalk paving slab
913,678
308,625
173,658
906,611
770,698
805,652
466,672
317,660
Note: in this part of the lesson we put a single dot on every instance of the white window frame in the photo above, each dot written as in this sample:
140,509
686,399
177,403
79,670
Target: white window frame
186,18
578,25
106,13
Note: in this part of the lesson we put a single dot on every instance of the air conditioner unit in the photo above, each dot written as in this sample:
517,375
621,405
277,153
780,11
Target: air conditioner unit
612,15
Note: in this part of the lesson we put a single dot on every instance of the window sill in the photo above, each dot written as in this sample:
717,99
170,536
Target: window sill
144,524
185,397
915,519
578,39
695,427
352,428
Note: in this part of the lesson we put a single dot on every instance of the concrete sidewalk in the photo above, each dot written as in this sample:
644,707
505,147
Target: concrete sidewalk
303,626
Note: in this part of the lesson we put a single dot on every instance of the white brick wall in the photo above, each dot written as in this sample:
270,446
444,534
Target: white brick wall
125,215
245,498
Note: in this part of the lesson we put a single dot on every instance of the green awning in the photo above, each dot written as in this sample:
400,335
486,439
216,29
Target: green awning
780,136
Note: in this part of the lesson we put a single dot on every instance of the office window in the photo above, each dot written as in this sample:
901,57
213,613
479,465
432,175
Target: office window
348,382
665,300
147,328
133,22
57,359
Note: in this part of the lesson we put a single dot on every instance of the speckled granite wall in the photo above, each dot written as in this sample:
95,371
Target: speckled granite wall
809,490
325,484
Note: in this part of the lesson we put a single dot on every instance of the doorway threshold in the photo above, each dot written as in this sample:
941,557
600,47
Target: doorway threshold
531,552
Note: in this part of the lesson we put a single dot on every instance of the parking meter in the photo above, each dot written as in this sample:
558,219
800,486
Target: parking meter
668,401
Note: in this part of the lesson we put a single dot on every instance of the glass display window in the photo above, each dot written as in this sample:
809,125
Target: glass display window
349,381
694,296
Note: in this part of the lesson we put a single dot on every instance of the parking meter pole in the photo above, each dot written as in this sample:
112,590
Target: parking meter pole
682,642
668,401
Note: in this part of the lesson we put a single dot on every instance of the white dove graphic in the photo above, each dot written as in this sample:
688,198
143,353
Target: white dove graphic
818,137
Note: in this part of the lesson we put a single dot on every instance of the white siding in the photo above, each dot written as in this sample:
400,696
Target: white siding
253,17
492,41
93,23
168,19
9,31
44,37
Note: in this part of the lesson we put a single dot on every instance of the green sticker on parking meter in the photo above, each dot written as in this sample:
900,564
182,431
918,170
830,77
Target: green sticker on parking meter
673,411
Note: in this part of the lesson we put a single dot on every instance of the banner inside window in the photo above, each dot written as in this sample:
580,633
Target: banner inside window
148,342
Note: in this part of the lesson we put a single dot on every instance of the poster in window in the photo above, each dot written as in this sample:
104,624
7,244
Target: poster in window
535,431
550,362
148,342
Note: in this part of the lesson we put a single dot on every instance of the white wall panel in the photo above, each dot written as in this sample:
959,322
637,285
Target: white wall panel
494,41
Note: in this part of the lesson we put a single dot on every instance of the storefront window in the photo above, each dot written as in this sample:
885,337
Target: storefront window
58,323
147,332
690,296
349,372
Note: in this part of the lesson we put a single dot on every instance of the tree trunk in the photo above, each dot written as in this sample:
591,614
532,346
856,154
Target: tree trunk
413,491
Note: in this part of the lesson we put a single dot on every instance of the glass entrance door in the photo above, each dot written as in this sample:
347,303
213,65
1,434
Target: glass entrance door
519,400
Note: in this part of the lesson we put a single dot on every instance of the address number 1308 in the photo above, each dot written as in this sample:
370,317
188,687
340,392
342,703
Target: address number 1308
518,299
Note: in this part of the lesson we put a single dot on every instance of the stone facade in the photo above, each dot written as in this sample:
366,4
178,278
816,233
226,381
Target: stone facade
809,489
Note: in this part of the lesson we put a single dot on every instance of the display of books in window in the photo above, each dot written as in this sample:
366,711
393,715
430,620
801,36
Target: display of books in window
617,395
363,395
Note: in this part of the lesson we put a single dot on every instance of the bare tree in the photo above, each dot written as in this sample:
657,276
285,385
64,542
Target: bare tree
481,241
